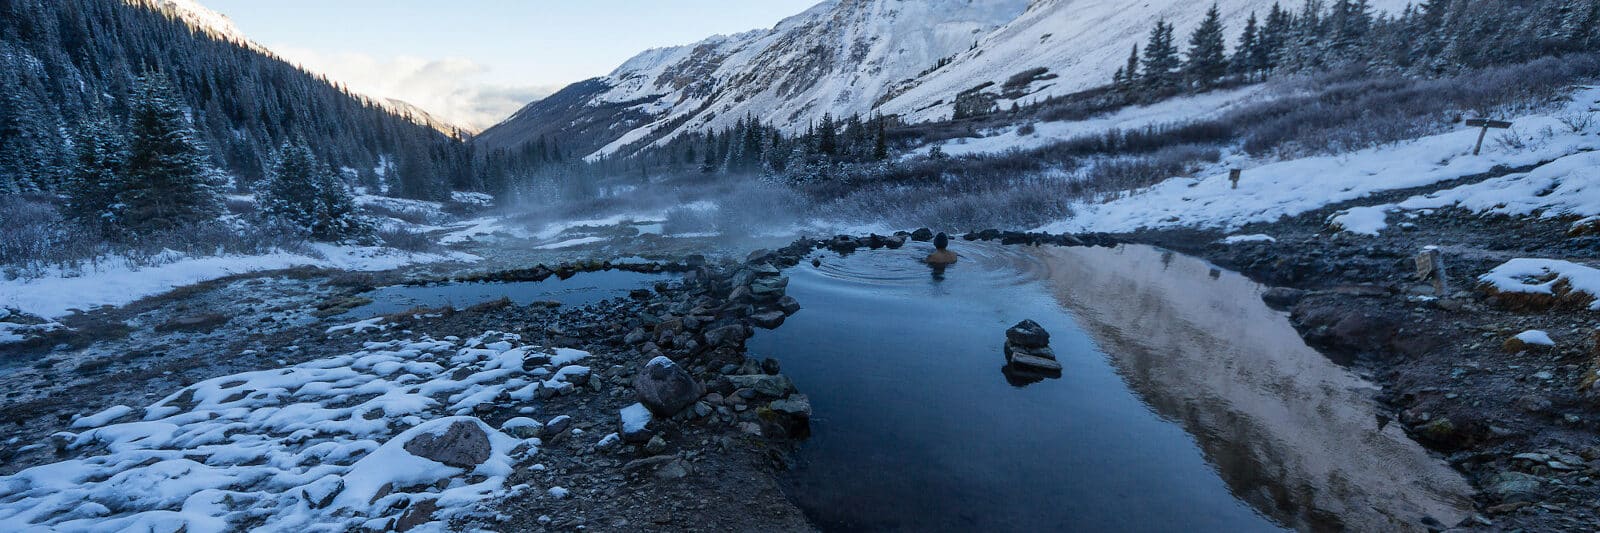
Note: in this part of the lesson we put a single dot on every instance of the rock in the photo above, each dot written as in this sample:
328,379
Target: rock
463,445
656,445
556,426
522,427
1430,268
420,512
769,319
1028,334
1035,362
770,366
1514,487
1282,297
789,305
321,492
666,388
767,385
741,294
637,336
772,287
674,469
731,335
796,405
634,423
922,235
1528,341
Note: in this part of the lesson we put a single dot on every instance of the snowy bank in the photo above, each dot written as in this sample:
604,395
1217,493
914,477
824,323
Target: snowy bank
118,283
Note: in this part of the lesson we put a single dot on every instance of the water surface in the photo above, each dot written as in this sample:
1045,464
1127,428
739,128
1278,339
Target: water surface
917,427
582,289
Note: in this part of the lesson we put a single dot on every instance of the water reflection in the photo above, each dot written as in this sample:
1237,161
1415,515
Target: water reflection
1292,433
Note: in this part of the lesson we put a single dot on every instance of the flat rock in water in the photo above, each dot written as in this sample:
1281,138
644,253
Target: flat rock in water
463,445
1028,334
1023,359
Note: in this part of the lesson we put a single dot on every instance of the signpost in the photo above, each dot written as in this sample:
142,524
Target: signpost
1485,124
1233,176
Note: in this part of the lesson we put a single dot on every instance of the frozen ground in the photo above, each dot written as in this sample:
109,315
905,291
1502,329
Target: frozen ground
363,440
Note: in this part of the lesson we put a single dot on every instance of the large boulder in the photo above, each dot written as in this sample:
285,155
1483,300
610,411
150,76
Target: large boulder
666,388
463,445
731,335
775,386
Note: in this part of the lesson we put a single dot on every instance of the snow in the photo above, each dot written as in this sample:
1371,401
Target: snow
1535,337
1081,43
1361,220
268,449
1545,276
479,228
1236,239
359,327
11,332
634,418
117,282
1275,190
102,418
1169,111
1566,187
570,243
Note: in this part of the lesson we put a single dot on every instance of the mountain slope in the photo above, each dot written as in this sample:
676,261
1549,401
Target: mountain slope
66,63
839,57
895,57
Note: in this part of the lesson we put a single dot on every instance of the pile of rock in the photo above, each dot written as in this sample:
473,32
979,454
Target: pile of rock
1028,349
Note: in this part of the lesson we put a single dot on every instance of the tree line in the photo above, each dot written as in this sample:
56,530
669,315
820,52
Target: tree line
1431,38
69,67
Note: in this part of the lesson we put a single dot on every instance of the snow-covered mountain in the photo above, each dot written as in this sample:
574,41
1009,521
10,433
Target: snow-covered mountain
901,57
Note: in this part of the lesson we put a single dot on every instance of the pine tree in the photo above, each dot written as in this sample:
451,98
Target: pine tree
92,185
168,181
1161,63
288,197
1208,55
1246,55
1129,73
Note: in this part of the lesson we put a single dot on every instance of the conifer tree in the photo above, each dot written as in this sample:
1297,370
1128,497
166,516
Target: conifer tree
1161,63
168,180
1245,62
1208,55
92,186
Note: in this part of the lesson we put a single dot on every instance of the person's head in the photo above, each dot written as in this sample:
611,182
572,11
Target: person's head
941,241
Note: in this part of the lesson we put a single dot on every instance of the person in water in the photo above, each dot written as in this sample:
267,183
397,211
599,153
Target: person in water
941,255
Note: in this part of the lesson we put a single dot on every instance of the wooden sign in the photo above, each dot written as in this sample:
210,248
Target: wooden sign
1485,124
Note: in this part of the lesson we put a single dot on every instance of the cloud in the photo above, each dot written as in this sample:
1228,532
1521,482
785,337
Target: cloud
451,89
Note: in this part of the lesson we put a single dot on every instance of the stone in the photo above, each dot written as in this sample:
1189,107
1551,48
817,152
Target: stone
1514,487
556,426
1028,334
789,305
763,384
731,335
420,512
637,336
741,294
1027,360
656,445
1282,297
674,469
772,287
666,388
796,405
1430,268
768,320
320,493
463,445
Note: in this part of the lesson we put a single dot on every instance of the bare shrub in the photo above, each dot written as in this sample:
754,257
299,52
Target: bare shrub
404,239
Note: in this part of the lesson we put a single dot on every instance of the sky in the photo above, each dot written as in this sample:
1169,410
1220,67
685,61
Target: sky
474,62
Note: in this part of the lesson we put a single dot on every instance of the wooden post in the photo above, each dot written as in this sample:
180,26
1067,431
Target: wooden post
1485,124
1233,176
